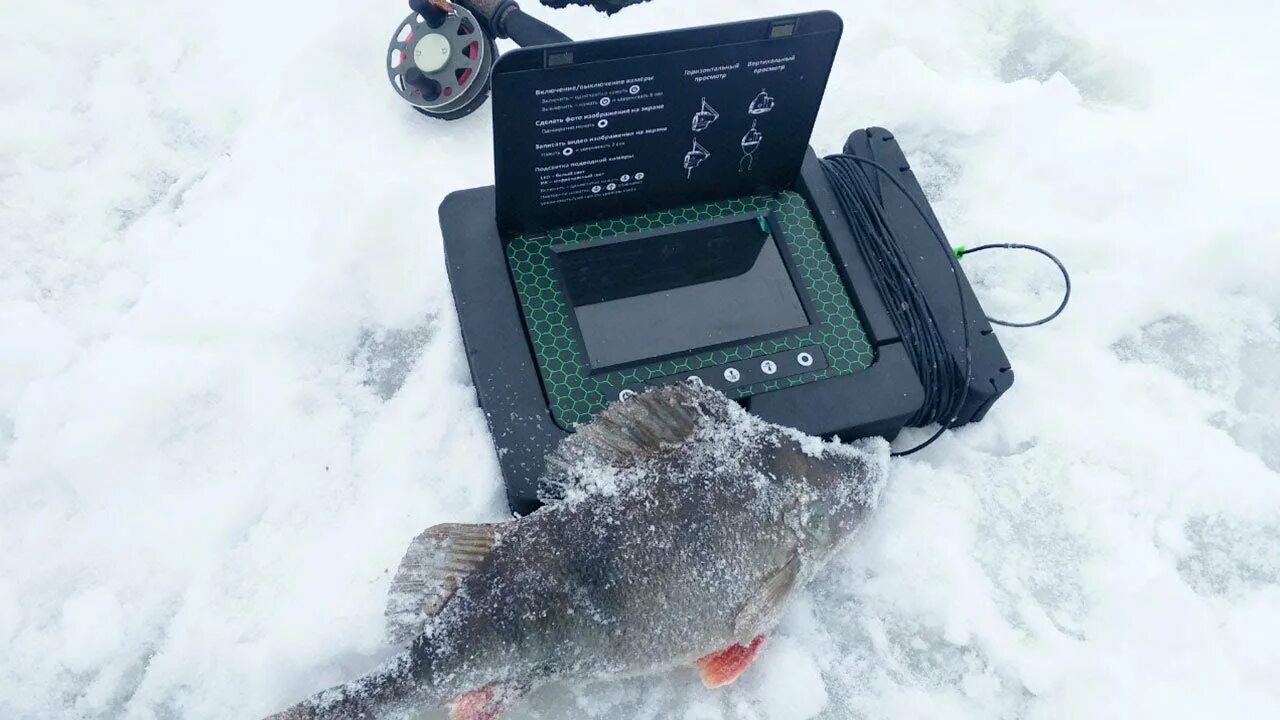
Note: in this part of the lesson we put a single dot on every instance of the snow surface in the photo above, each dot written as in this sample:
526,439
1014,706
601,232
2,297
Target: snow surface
232,387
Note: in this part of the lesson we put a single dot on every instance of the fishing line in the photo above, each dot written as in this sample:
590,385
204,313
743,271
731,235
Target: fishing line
945,378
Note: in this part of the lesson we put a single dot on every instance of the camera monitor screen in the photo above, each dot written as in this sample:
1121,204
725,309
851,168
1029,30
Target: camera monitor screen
653,294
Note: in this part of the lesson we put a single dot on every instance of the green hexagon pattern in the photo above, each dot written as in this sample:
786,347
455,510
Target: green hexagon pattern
576,395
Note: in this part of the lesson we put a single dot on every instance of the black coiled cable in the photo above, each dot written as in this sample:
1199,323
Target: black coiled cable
945,378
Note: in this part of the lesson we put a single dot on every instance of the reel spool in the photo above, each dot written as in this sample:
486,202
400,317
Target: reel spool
441,58
440,62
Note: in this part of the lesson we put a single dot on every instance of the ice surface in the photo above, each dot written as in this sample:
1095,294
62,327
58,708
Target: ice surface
225,409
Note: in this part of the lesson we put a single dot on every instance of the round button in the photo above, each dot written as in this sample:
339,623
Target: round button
768,367
694,379
805,359
732,375
626,395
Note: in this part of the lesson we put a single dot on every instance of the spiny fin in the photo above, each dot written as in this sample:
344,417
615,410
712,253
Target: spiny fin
487,703
721,668
768,600
432,571
644,425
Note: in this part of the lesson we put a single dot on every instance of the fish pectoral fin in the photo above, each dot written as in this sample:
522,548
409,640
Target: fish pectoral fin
487,703
757,611
432,570
722,668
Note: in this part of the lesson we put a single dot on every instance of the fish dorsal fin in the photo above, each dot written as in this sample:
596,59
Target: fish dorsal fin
763,607
432,570
643,425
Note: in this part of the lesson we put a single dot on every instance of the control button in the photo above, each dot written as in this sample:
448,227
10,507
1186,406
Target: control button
694,379
732,375
805,359
769,367
626,395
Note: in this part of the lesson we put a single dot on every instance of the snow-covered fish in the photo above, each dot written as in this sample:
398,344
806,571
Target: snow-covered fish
681,529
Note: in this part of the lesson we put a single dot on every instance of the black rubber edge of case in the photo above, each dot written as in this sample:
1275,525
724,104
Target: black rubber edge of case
992,373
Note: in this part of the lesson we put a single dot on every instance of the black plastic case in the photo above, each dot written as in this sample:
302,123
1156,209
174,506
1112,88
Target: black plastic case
878,401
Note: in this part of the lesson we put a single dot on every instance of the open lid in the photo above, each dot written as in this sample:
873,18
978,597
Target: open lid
625,125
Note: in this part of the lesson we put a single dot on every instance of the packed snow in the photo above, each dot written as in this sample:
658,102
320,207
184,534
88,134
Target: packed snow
232,386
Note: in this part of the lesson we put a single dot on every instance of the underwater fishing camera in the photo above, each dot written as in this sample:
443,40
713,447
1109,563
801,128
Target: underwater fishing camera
658,216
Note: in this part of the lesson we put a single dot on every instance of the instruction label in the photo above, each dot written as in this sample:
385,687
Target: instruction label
620,131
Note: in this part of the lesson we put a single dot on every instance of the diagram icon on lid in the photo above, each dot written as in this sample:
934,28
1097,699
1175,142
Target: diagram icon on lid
704,117
695,157
750,143
763,103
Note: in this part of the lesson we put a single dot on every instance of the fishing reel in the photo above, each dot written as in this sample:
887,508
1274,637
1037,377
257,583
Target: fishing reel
441,58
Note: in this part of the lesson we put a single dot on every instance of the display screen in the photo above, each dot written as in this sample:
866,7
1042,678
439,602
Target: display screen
641,297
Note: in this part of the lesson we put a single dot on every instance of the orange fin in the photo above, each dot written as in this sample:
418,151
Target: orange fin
721,668
487,703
